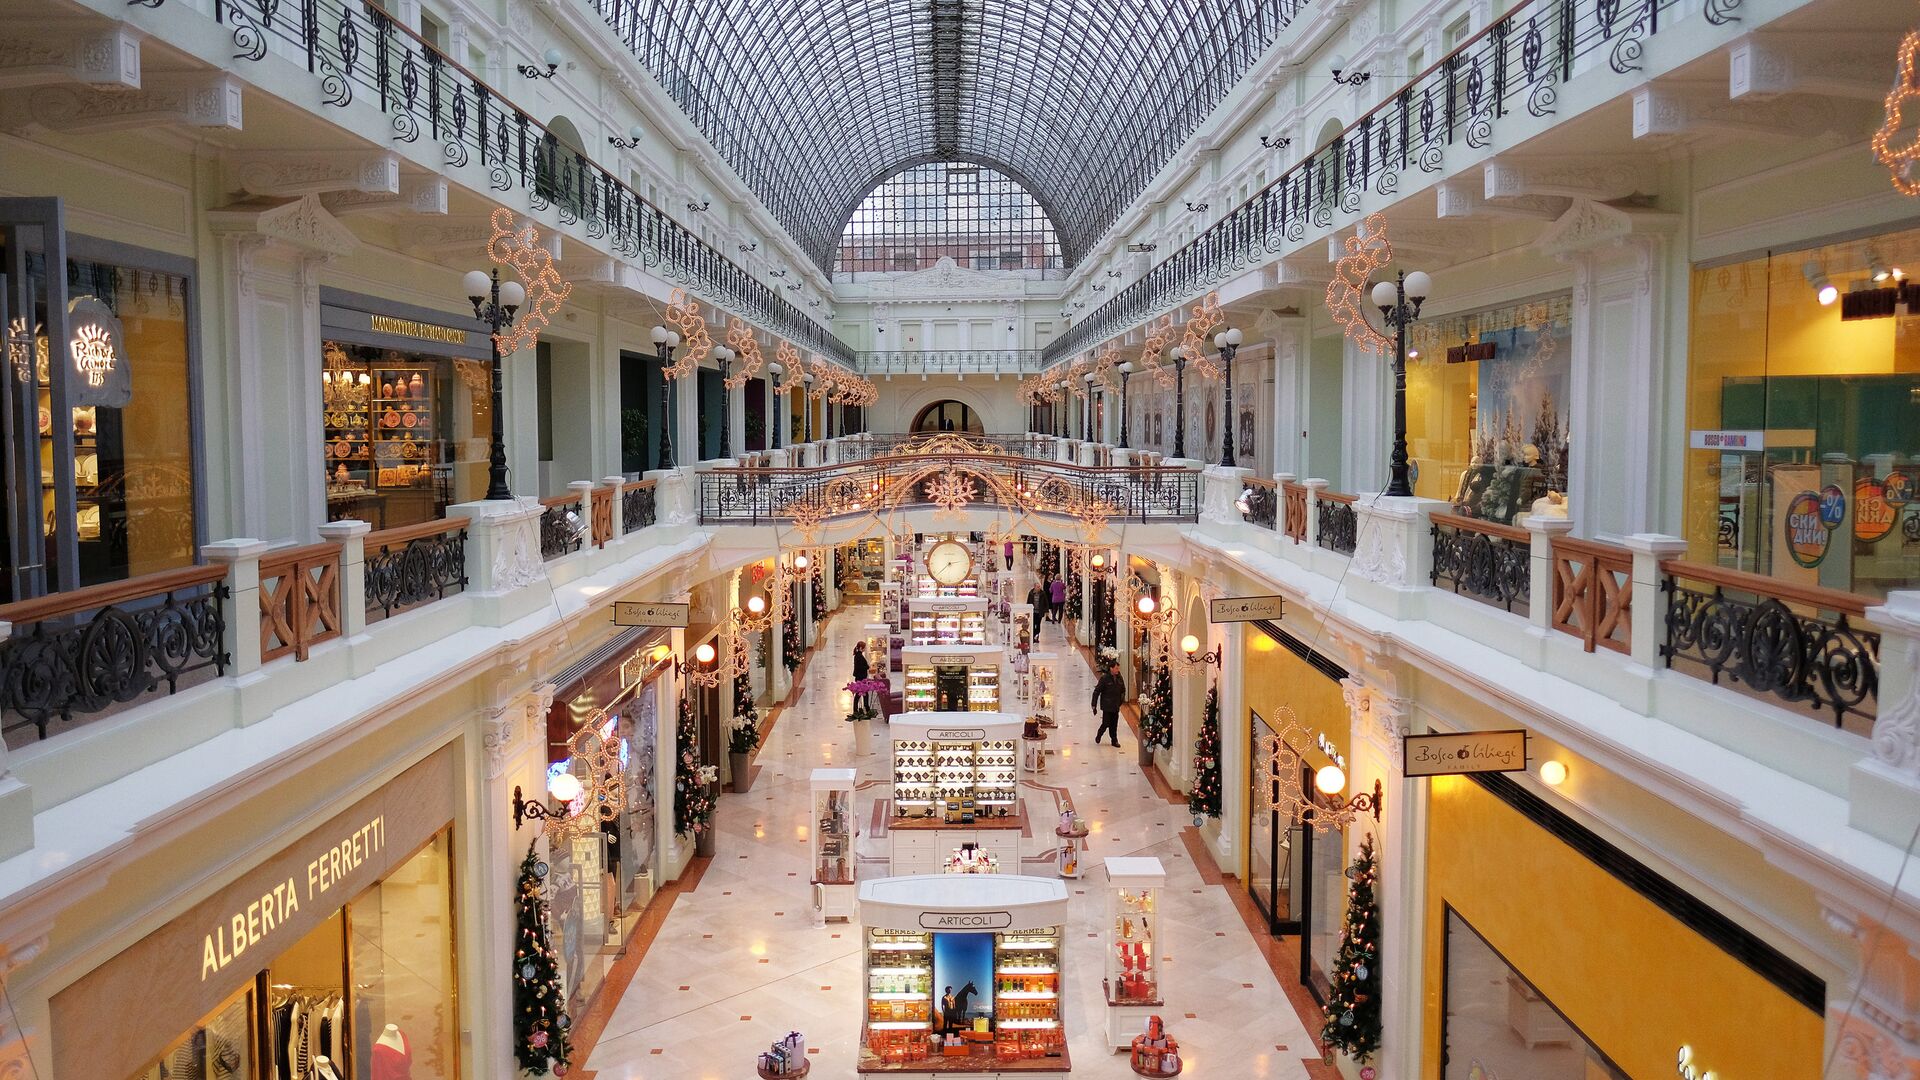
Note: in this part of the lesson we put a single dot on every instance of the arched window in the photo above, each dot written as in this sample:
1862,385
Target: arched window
980,218
948,415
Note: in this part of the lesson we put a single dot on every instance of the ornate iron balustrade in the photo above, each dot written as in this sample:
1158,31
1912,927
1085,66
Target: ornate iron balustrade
85,652
786,496
636,506
897,445
561,527
950,362
1337,524
1742,626
1483,560
414,565
1262,503
358,50
1521,60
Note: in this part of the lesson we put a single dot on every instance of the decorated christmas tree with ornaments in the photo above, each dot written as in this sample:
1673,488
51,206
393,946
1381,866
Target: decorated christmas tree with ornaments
1156,723
541,1026
790,639
692,801
1204,797
1352,1024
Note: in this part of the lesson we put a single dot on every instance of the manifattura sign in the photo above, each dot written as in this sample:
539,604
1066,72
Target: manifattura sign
251,925
1456,752
966,920
387,324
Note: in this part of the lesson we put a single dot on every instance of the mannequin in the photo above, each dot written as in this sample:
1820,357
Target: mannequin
323,1069
392,1057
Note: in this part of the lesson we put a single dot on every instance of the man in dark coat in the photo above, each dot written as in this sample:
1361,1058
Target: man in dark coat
1108,695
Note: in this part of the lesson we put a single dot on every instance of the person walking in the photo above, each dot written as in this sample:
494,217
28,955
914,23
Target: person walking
1057,598
1108,695
1037,597
860,669
1007,554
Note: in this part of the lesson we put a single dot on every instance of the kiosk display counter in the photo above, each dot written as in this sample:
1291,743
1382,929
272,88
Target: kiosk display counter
947,622
1132,979
951,678
956,781
833,837
964,975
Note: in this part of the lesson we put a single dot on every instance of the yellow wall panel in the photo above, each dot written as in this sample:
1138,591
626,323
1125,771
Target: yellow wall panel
1637,982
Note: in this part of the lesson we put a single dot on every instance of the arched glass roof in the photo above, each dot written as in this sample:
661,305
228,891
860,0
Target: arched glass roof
815,102
980,218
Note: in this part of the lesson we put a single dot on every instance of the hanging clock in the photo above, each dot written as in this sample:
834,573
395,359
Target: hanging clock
949,562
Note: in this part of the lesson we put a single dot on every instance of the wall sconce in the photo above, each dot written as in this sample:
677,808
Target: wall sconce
1823,286
1275,142
748,249
1198,207
600,796
563,787
1099,560
1190,646
703,672
801,562
776,273
1351,78
700,207
1114,273
1553,773
553,61
631,142
1279,768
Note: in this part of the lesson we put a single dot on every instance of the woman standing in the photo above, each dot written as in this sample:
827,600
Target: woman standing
860,669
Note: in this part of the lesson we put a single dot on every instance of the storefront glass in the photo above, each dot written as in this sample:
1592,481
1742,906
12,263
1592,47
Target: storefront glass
401,966
1803,416
407,433
1487,406
128,435
221,1044
1498,1027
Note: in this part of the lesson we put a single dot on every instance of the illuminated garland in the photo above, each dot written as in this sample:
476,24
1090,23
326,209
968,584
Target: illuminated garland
546,289
789,360
1155,345
1901,161
683,312
1201,324
747,348
1367,252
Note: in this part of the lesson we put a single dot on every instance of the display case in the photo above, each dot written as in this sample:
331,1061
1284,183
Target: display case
833,838
967,589
995,939
1042,684
892,607
947,622
1132,977
951,678
1020,629
956,780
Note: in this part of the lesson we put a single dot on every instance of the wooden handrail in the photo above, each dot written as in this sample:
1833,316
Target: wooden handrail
1006,459
1487,528
634,485
1786,592
400,534
105,594
1611,554
1329,496
1255,481
278,561
561,500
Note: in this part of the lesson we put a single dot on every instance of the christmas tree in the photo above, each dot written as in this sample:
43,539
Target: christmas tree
1073,597
692,802
541,1037
1352,1023
744,735
1156,724
819,596
1204,796
790,639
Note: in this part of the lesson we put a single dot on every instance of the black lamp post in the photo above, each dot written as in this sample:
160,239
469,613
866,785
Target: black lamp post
1399,302
725,356
1228,342
777,369
664,342
1179,401
494,303
1126,372
806,407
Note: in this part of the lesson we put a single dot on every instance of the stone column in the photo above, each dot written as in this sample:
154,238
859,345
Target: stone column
508,735
16,800
241,609
350,534
1393,551
1541,531
1230,639
1649,610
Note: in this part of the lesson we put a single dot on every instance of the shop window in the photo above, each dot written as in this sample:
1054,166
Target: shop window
1803,406
221,1045
1487,425
128,436
400,962
407,432
1498,1027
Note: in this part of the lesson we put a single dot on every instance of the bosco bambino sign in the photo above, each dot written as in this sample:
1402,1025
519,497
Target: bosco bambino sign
1455,752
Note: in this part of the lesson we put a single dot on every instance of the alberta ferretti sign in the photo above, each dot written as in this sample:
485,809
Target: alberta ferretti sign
205,953
1452,753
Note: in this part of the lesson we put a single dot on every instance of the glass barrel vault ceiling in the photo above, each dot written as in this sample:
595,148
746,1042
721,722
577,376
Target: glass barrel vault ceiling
815,102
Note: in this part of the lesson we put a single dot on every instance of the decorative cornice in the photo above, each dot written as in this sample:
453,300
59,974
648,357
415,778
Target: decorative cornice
302,223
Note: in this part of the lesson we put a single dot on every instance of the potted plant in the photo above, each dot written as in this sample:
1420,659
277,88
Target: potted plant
743,738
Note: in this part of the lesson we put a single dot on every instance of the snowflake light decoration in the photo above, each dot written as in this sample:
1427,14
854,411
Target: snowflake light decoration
520,248
1367,251
951,492
1902,161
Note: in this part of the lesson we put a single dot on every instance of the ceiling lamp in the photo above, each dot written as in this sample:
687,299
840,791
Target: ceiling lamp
1823,286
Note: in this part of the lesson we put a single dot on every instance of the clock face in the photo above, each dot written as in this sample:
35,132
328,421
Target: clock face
949,562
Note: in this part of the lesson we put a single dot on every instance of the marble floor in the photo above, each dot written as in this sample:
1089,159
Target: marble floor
738,962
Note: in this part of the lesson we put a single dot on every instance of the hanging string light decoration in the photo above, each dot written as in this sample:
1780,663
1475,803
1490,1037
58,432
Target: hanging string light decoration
1154,347
1902,161
683,313
951,492
741,339
520,248
1368,250
1279,786
1202,321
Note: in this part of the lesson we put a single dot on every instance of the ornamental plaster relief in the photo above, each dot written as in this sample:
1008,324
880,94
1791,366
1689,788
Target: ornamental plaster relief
1377,554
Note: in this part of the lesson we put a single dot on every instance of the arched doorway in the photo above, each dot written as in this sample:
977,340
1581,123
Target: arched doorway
948,415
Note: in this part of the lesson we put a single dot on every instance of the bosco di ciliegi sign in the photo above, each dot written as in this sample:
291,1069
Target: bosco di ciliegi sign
98,352
1456,752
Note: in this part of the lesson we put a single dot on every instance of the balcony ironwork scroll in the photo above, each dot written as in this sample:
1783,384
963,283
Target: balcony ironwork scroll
1483,560
1793,643
359,53
1337,524
414,565
1263,503
561,529
1521,60
636,506
80,653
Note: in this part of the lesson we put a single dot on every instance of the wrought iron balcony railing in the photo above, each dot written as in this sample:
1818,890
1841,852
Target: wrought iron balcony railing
810,497
1522,60
897,445
358,51
950,362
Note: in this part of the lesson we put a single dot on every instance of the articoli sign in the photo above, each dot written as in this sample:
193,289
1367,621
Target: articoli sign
965,920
